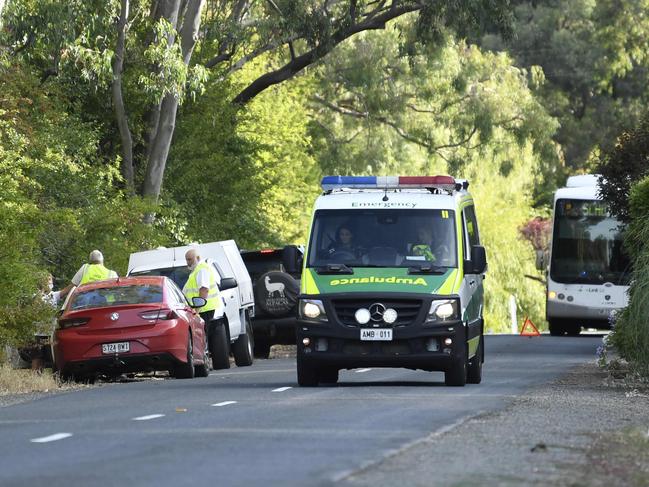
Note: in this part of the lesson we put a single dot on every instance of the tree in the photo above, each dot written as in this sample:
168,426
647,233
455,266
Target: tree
624,165
594,57
152,52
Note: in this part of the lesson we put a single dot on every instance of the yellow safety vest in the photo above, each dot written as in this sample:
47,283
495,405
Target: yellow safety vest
191,288
95,272
424,250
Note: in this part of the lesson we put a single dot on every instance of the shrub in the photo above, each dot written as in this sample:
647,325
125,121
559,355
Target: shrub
631,335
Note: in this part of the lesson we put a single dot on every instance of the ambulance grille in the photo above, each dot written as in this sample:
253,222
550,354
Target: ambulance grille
407,310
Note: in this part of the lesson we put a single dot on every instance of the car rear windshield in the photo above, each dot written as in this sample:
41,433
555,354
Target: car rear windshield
117,296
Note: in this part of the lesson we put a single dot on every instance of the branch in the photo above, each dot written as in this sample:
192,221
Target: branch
536,278
351,112
118,99
299,63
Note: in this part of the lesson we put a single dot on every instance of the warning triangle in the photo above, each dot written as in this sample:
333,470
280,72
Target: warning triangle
529,329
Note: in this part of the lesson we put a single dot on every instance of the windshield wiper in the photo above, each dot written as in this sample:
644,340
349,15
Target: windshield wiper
426,269
334,269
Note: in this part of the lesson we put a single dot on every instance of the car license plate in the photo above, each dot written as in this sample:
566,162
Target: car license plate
115,347
376,334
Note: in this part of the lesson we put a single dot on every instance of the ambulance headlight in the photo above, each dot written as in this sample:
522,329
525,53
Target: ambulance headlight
312,310
442,310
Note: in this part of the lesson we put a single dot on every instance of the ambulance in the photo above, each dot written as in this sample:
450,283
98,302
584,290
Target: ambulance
393,277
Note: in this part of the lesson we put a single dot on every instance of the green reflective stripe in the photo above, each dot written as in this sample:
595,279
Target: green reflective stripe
473,345
309,285
449,283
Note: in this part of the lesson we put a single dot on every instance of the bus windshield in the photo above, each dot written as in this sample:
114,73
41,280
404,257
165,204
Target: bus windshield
587,244
383,238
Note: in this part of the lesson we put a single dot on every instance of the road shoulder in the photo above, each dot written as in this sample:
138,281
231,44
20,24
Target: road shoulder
583,429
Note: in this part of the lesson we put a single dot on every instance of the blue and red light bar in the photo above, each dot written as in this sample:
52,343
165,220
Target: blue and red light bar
387,182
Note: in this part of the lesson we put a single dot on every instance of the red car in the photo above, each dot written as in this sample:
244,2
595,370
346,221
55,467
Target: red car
131,324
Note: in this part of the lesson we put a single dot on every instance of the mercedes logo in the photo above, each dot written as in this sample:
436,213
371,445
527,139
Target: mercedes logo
376,312
114,316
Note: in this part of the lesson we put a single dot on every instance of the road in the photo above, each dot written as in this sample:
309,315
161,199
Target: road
254,426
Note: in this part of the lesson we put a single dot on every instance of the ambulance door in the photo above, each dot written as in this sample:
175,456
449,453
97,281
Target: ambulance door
472,281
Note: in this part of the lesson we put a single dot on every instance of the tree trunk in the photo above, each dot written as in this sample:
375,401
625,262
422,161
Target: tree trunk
161,142
118,100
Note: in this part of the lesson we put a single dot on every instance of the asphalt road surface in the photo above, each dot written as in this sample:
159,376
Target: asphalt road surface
254,426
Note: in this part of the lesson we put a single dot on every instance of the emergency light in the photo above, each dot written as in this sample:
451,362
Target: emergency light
329,183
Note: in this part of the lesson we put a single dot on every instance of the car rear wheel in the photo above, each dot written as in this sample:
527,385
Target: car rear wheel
557,327
203,370
186,370
219,346
242,349
474,372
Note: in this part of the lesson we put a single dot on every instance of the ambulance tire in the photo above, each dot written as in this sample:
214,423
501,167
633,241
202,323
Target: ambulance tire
474,372
329,376
456,376
219,345
243,347
307,375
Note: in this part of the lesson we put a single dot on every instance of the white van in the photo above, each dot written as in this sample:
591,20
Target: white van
235,286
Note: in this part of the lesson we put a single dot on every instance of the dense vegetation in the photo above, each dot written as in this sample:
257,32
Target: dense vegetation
625,171
128,125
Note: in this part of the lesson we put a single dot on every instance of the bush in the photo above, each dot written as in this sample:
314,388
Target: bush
620,167
631,335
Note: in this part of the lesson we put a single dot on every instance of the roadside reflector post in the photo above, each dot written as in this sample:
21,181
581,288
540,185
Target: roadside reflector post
512,314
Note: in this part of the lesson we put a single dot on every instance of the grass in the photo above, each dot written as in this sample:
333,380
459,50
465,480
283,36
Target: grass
21,381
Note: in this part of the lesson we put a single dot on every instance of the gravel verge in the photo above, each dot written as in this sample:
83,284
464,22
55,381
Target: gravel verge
584,429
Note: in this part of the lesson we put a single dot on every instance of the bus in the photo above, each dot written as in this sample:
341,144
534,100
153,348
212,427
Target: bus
588,272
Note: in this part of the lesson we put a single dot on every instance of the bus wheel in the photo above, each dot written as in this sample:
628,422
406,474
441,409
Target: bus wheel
557,328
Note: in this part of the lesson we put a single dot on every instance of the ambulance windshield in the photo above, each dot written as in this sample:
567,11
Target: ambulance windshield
383,238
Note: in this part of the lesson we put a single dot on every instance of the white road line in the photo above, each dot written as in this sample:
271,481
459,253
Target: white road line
224,403
55,437
146,418
282,389
360,371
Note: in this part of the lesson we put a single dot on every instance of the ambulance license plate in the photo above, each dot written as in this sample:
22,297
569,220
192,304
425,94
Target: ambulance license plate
115,347
376,334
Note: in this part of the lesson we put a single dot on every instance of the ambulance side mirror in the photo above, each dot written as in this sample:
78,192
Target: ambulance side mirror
478,262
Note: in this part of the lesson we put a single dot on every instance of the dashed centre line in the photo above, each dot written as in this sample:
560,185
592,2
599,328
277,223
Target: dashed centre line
224,403
148,417
282,389
54,437
360,371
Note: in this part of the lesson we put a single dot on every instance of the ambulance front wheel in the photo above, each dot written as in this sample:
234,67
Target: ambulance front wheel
456,375
307,375
474,372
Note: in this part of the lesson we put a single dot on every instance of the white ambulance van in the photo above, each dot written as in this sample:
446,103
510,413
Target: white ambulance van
392,278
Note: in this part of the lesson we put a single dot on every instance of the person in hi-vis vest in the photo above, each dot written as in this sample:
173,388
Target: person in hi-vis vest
93,271
202,282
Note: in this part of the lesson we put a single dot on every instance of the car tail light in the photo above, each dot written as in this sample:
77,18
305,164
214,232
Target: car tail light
73,322
159,314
